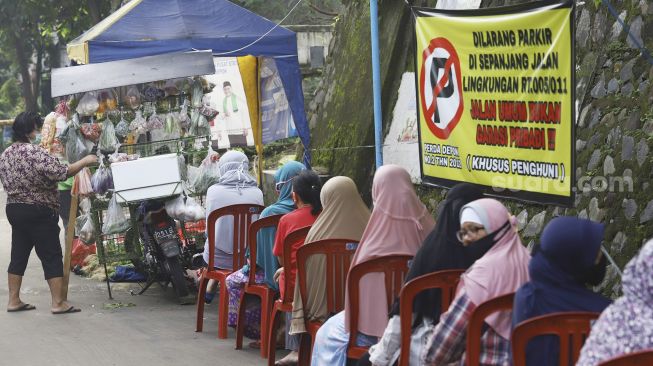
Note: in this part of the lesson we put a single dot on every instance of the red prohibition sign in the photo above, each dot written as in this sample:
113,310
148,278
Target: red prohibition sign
430,110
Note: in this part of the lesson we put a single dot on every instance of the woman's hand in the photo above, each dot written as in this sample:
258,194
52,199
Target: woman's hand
277,274
75,167
90,160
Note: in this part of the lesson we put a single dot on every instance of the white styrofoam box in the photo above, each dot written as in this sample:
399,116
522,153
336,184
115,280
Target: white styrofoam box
153,177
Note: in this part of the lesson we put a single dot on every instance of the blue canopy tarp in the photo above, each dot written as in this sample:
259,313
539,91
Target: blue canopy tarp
152,27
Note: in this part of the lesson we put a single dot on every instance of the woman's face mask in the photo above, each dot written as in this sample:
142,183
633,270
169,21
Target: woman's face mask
35,137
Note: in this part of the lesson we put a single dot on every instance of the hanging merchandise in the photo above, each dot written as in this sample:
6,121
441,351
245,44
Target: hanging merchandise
88,105
102,179
208,173
91,131
84,226
82,184
108,139
116,221
185,209
139,124
184,120
154,122
197,94
183,170
107,102
206,109
48,130
76,149
171,128
122,128
171,87
199,125
62,108
132,98
152,93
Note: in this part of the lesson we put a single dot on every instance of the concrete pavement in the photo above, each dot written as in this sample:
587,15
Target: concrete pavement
156,331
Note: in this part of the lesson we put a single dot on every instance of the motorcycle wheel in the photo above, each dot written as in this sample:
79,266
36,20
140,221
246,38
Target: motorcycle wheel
176,273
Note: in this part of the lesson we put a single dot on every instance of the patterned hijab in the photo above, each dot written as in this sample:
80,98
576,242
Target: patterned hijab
626,326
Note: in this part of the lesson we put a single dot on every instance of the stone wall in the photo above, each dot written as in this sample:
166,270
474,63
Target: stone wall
614,127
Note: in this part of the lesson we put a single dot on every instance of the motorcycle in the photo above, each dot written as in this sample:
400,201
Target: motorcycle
166,256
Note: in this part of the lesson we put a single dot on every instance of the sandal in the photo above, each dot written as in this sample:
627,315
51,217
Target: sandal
70,310
23,307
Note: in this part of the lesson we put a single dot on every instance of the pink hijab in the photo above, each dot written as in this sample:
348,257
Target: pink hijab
503,269
398,226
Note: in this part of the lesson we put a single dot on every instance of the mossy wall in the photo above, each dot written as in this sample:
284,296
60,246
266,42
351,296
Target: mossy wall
614,128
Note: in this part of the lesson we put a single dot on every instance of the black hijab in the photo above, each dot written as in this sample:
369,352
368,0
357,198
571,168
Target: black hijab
442,250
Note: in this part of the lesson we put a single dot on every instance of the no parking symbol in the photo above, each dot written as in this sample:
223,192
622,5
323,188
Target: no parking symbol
440,87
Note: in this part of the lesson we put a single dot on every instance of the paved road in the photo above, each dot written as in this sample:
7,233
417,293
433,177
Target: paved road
156,331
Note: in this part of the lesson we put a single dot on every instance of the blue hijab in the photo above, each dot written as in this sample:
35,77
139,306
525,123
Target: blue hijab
568,250
265,237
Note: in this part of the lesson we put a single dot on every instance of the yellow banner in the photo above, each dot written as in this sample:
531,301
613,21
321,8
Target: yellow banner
495,91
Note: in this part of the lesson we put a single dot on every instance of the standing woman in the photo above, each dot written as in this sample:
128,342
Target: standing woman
29,175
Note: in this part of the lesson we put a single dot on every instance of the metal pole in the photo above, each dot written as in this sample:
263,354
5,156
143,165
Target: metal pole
376,82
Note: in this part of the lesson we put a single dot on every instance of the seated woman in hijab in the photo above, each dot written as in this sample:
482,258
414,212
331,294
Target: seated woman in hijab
344,216
398,226
626,326
306,189
568,259
502,270
441,251
266,264
236,186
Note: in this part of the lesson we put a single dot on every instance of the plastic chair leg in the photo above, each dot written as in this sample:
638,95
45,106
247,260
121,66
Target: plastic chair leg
223,311
200,303
240,322
272,332
305,350
266,301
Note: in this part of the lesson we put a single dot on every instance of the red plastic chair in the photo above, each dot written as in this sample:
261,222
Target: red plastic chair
572,328
339,253
262,291
395,268
283,305
446,281
640,358
242,215
476,321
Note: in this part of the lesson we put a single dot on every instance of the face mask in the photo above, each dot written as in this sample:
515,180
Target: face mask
595,275
37,139
478,248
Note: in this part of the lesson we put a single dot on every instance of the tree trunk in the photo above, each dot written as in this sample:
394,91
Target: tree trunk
24,63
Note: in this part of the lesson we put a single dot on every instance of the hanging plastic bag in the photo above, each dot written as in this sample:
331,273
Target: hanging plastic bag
82,184
122,128
62,108
183,170
152,93
184,120
76,149
108,139
208,173
91,131
133,97
171,87
88,105
84,226
154,122
197,94
116,220
185,209
102,179
139,124
171,127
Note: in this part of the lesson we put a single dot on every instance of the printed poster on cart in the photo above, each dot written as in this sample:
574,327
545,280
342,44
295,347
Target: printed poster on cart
495,90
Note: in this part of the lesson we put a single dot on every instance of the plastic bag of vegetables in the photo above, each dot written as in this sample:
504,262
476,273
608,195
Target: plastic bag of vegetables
197,93
139,124
108,139
88,105
116,220
132,98
185,209
84,226
76,149
122,128
82,184
102,179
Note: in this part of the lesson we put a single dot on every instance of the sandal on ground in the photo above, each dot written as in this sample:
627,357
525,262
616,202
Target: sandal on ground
70,310
23,307
287,361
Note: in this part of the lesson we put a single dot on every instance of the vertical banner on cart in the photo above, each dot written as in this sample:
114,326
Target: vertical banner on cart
232,125
495,91
276,116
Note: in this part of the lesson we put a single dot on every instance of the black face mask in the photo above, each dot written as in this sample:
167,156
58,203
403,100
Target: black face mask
478,248
595,275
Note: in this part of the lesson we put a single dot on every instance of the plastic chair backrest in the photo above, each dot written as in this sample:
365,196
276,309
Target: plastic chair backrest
639,358
339,253
476,321
446,281
570,327
288,244
242,215
394,267
254,228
